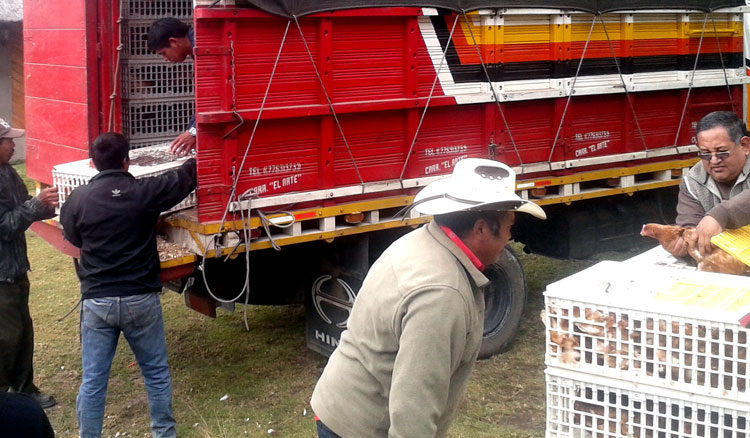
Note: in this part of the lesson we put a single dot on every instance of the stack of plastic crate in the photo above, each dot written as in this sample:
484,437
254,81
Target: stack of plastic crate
157,96
639,350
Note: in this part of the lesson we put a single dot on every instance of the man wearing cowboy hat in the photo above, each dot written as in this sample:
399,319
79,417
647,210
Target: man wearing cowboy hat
18,211
414,332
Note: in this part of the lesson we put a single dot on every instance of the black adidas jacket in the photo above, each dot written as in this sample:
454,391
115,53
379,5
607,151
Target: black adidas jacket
112,219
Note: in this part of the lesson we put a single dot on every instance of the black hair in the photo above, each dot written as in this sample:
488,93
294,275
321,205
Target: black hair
162,30
109,150
726,119
461,222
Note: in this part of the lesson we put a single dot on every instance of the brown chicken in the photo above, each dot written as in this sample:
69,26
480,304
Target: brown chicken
717,261
665,234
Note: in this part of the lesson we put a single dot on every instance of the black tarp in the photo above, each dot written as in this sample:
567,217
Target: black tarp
299,8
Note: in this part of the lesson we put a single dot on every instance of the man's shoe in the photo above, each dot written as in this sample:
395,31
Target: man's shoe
46,401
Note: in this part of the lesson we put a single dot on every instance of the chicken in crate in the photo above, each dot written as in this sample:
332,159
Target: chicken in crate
144,162
584,405
647,324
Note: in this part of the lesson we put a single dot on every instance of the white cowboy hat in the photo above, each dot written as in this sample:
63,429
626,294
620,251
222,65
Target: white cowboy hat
476,184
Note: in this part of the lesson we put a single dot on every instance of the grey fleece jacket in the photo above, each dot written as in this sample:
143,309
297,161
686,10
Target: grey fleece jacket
413,336
700,196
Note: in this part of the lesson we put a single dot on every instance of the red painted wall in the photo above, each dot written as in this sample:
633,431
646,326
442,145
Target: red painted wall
61,80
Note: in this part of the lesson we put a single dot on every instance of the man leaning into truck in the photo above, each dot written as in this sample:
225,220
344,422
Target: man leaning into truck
415,330
113,219
174,40
715,195
18,211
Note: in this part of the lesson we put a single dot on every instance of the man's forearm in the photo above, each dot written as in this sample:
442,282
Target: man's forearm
734,212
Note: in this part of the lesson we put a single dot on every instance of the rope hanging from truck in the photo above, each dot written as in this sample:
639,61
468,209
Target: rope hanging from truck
692,80
695,68
427,104
628,97
721,59
494,92
236,175
116,74
330,103
572,88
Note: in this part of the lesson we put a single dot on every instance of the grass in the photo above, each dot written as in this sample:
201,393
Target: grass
267,373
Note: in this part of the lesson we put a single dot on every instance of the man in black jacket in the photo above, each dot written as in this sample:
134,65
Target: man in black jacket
112,219
18,211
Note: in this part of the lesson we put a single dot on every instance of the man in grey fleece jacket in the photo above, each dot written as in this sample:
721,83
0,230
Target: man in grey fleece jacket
414,332
714,194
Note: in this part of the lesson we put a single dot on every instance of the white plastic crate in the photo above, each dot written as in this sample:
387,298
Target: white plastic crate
661,326
138,144
157,79
658,256
150,9
144,162
583,405
156,118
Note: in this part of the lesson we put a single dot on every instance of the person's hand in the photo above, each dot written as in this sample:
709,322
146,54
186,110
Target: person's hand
182,145
707,228
677,247
48,196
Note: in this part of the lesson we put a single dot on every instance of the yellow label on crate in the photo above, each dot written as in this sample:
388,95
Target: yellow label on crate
735,242
707,296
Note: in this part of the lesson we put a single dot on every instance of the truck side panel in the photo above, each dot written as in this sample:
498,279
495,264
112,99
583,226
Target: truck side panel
378,69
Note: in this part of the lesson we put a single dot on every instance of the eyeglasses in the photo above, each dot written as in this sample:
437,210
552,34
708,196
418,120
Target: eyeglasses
706,156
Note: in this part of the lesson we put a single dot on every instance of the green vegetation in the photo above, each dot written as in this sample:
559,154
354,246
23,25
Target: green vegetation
267,373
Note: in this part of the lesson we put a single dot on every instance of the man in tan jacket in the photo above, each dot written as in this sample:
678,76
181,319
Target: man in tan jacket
414,332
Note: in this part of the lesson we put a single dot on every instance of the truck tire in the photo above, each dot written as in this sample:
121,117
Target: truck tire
504,301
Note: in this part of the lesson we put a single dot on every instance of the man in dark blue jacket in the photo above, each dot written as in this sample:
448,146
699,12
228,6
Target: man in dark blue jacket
174,40
112,219
18,211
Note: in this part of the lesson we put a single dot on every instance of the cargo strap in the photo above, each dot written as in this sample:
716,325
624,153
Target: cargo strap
330,103
624,84
573,88
427,104
695,67
494,93
721,59
237,172
692,79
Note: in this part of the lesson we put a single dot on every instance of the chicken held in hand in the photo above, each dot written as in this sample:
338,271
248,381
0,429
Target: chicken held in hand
680,241
669,236
717,260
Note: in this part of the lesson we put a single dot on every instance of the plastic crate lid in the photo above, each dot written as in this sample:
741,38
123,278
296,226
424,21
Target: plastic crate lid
660,257
658,289
735,242
144,161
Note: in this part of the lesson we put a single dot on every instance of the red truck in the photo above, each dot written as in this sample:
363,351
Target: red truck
318,122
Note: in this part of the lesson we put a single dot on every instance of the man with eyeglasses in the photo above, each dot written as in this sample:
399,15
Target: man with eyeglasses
714,194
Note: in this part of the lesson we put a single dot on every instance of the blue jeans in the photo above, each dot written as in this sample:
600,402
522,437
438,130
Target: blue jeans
139,318
324,431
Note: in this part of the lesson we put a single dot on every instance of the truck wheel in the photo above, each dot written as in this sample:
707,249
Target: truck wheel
504,301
